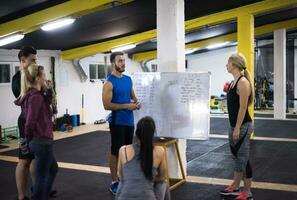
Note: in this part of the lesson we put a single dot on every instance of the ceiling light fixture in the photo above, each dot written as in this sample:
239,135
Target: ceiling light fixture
11,38
123,48
189,51
58,24
214,46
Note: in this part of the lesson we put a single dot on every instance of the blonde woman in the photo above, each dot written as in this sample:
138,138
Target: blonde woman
239,97
35,100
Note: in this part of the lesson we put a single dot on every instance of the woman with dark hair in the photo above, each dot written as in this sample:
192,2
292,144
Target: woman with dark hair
141,164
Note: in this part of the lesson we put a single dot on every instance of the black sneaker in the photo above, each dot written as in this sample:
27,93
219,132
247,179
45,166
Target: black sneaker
230,191
53,194
25,198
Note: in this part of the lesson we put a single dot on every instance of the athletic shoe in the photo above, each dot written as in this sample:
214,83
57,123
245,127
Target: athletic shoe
25,198
230,191
114,187
53,194
242,196
250,196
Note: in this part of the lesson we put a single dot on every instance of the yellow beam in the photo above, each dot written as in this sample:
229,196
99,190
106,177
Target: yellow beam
144,56
229,15
32,22
204,43
106,46
245,40
217,18
195,45
262,30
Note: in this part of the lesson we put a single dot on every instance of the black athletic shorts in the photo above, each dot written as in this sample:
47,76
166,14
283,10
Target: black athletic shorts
21,125
120,135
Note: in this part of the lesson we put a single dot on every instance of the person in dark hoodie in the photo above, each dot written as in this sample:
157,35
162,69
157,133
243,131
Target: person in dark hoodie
35,100
27,56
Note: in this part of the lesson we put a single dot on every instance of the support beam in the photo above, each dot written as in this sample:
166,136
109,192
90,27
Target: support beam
217,18
171,58
245,40
106,46
259,31
32,22
279,79
229,15
295,75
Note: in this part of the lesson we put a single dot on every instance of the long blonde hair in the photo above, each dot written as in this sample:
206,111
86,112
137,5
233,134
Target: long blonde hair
29,77
238,60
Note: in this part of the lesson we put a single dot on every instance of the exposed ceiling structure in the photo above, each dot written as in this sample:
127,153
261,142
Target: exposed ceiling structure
109,23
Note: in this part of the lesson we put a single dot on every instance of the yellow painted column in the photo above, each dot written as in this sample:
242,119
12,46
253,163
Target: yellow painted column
245,39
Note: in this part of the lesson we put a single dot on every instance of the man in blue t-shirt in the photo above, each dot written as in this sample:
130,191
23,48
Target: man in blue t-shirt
119,97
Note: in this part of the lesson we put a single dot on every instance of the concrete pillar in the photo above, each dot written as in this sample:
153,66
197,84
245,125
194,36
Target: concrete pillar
171,57
279,96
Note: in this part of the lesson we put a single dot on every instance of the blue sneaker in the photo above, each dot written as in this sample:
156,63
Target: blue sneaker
114,187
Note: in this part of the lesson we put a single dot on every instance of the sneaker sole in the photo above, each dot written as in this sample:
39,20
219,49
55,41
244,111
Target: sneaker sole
230,194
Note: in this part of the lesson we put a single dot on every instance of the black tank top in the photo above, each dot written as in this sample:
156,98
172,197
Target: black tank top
234,104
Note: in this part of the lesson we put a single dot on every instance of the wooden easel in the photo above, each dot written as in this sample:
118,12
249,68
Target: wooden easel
165,142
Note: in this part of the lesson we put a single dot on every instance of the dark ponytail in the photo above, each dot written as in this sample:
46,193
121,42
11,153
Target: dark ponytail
145,132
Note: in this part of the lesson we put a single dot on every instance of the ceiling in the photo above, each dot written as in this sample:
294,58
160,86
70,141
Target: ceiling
123,20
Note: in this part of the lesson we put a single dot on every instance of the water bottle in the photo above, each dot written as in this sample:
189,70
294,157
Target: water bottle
23,141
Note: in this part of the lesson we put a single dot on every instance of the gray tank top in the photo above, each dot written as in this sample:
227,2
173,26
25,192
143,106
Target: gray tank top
135,185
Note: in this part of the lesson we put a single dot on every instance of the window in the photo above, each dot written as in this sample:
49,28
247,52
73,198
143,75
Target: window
16,69
93,70
5,73
154,67
7,70
99,71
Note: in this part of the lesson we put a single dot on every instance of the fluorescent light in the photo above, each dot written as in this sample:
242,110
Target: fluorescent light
189,51
123,48
11,38
57,24
213,46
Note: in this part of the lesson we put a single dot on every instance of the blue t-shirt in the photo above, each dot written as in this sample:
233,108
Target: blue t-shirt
121,94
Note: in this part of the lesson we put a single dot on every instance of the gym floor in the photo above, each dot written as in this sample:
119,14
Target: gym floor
84,173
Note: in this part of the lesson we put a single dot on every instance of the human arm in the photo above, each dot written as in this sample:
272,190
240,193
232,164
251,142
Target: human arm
134,98
244,91
48,91
162,169
32,115
107,97
16,84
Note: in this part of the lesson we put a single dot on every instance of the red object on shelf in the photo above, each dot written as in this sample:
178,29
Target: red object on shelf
226,87
0,133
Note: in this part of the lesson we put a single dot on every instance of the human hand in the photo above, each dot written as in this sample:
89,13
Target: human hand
48,84
138,105
23,147
236,132
132,106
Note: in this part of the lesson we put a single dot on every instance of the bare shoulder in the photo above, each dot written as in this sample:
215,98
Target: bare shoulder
243,86
159,151
122,149
107,84
243,82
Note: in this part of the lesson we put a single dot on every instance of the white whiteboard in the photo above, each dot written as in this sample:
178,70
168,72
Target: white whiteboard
178,102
